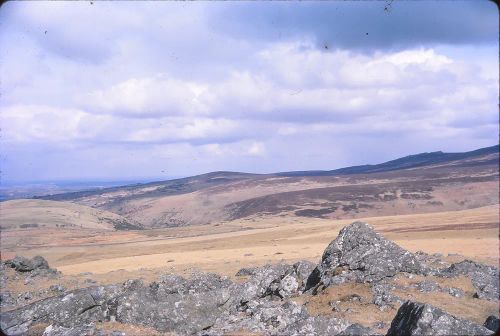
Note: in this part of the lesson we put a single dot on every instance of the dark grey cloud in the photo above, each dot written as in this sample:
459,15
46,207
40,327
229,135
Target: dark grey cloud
362,25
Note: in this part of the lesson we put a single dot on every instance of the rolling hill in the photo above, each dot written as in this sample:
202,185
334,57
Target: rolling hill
29,214
422,183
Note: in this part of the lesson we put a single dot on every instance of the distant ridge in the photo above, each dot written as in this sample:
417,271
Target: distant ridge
197,182
410,161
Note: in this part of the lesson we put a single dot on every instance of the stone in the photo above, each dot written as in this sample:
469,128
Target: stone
82,330
267,317
415,318
6,299
58,288
40,263
357,329
173,304
493,323
456,292
363,255
266,281
303,269
76,308
383,297
485,279
247,271
21,264
288,280
37,266
427,286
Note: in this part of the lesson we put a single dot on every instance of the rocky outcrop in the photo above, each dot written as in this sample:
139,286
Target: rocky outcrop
422,319
37,266
76,308
484,278
22,264
270,317
280,280
361,254
205,304
209,304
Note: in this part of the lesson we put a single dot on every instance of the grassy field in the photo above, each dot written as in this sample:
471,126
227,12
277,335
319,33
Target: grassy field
226,247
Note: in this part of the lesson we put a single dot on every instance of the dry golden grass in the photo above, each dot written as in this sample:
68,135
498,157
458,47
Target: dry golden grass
227,247
362,311
224,248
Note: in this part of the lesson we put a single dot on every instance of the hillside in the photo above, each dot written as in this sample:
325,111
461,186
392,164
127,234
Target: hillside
487,155
422,183
32,214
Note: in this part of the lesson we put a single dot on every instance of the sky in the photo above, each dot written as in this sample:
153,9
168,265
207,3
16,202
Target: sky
154,90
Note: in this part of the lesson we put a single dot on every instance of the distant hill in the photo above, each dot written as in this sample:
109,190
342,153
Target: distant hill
410,161
422,183
29,214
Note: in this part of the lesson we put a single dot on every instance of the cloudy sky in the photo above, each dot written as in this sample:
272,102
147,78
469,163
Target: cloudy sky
147,90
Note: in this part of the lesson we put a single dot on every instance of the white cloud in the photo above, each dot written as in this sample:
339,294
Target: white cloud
256,149
159,77
157,96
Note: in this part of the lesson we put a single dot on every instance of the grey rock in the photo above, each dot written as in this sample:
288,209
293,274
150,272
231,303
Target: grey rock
247,271
81,330
3,278
288,286
286,280
187,309
303,269
37,266
40,262
493,323
174,304
456,292
379,325
276,318
484,278
22,264
76,308
357,329
25,296
422,319
361,254
432,263
383,297
117,333
316,325
266,281
428,286
6,299
57,288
